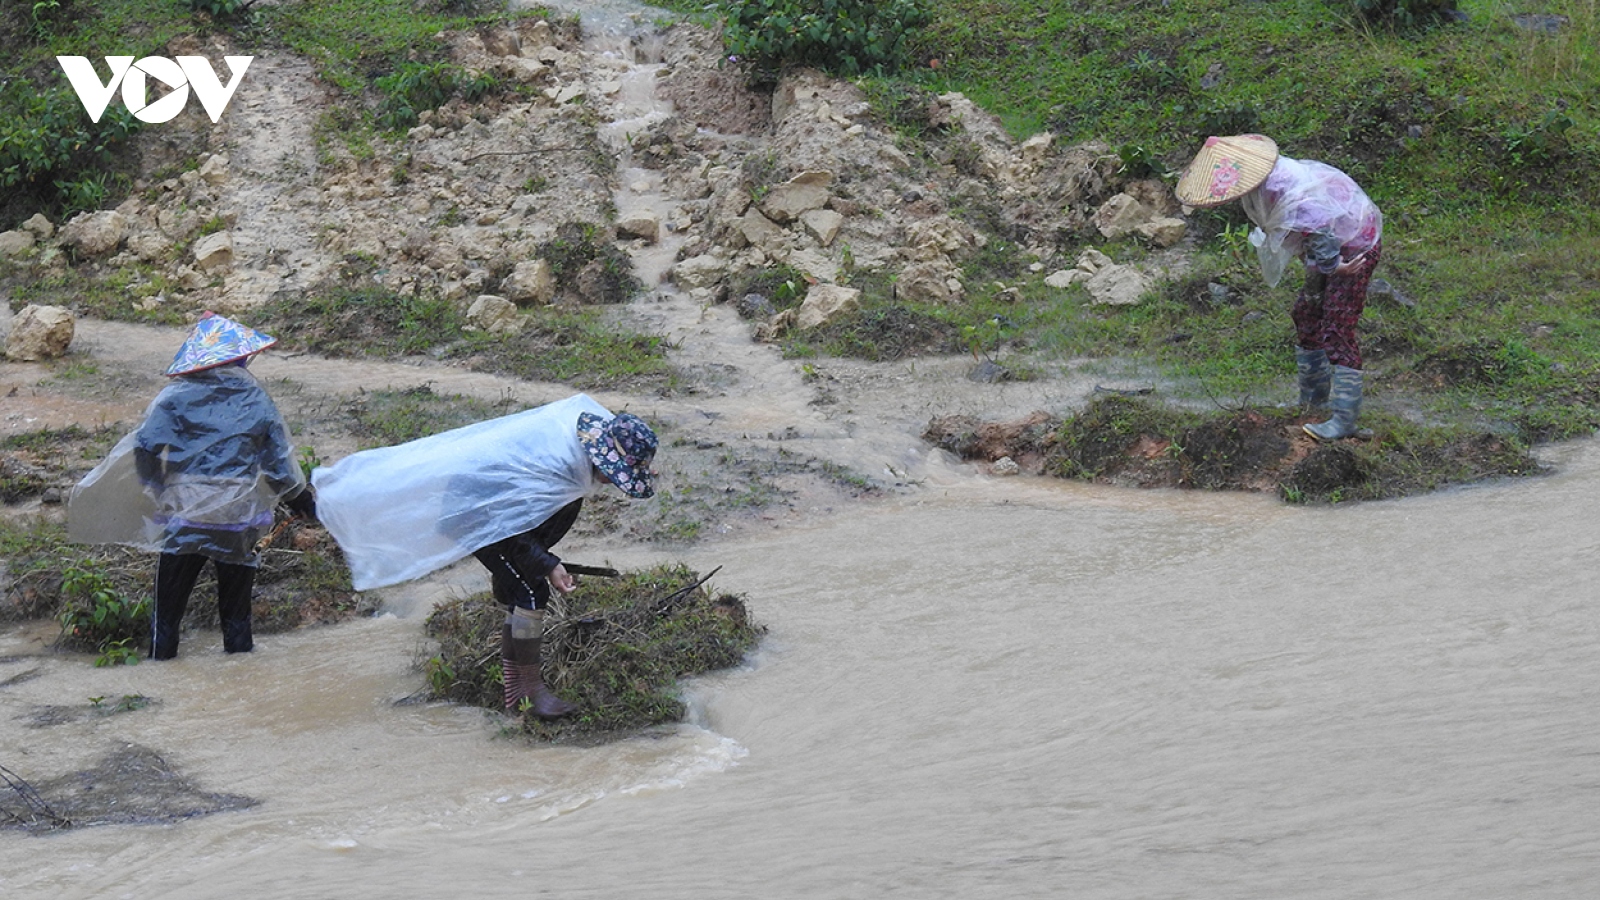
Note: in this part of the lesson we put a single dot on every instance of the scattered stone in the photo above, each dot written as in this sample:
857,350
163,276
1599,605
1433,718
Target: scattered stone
824,224
640,225
806,191
826,302
39,226
495,315
1065,278
40,332
531,283
1119,285
15,243
214,252
95,234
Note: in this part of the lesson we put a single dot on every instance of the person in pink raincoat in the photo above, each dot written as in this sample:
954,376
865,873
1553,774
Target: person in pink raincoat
1314,211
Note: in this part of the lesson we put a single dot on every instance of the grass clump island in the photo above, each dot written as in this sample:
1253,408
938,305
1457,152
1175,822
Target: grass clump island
616,647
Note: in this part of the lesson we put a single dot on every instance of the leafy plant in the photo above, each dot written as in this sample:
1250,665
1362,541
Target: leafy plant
415,87
847,37
1405,13
97,617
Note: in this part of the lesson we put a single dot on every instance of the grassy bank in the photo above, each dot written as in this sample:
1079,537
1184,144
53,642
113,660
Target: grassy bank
1477,133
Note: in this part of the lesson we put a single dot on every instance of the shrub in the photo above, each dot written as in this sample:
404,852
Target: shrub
847,37
99,617
1405,13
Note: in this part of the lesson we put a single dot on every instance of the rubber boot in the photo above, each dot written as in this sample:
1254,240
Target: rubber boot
522,642
1315,377
1345,401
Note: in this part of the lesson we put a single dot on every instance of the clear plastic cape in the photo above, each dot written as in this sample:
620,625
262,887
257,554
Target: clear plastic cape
1302,197
216,459
401,512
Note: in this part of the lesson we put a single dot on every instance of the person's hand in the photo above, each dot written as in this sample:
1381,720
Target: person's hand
1346,266
561,579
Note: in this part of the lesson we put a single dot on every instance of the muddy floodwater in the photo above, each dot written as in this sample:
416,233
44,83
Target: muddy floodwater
1000,688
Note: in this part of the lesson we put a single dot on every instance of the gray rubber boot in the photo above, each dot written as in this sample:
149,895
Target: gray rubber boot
1345,401
522,642
1315,377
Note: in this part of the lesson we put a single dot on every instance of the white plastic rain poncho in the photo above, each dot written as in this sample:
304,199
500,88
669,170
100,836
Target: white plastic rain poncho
201,474
401,512
1302,197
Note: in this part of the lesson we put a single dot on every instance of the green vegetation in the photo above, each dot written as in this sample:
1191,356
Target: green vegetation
847,37
575,346
615,647
99,618
1478,133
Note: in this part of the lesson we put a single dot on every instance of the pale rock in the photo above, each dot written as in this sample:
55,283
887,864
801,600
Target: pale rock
928,281
824,224
536,37
1066,278
759,231
1033,149
40,332
15,243
215,169
700,271
214,252
1119,285
95,234
39,226
495,315
1163,231
785,202
564,95
930,239
521,70
1005,466
775,327
826,302
1092,260
531,282
149,244
1120,216
818,265
640,225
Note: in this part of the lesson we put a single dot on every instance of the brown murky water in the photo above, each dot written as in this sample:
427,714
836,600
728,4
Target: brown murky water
1001,688
977,688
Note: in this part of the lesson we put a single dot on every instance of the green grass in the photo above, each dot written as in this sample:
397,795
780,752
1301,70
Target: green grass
1479,139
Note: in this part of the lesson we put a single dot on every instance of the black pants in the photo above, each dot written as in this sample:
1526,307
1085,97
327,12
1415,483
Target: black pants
176,574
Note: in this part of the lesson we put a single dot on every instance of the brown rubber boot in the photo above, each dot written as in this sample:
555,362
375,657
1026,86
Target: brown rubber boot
521,643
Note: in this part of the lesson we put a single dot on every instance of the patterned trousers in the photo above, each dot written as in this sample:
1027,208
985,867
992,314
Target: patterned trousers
1326,319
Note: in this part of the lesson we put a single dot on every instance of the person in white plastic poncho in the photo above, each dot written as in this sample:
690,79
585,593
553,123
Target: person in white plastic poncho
199,479
505,491
1312,210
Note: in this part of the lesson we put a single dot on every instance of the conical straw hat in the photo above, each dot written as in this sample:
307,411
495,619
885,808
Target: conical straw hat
1227,168
216,341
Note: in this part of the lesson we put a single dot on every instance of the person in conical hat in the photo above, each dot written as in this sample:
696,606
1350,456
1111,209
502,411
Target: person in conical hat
503,491
1314,211
198,480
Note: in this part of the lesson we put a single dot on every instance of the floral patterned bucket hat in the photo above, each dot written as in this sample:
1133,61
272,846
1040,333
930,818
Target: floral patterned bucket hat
216,341
1227,168
621,448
